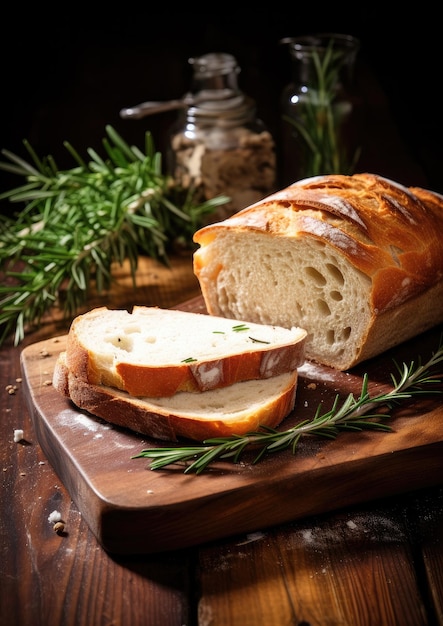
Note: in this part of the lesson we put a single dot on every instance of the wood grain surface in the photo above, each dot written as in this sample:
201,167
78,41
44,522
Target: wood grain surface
132,509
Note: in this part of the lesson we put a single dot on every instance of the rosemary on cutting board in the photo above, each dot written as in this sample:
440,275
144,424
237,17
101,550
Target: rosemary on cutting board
351,414
74,224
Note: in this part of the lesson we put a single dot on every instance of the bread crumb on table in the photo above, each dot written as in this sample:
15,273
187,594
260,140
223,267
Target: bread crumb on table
54,517
18,435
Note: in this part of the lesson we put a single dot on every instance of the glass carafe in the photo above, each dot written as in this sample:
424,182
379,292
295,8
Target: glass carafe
319,107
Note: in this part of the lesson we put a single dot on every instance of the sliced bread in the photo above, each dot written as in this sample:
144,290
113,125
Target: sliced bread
158,352
235,410
355,260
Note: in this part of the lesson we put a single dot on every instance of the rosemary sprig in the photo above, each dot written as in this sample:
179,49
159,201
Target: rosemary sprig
74,224
354,413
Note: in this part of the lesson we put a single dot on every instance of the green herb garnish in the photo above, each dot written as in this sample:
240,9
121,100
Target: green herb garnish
240,327
258,340
190,359
76,223
354,413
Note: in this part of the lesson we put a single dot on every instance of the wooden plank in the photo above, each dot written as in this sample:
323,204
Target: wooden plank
119,497
428,527
354,567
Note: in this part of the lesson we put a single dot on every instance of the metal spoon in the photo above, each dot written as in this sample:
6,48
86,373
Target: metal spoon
150,108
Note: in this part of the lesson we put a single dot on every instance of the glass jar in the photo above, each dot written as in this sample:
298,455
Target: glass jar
218,145
320,107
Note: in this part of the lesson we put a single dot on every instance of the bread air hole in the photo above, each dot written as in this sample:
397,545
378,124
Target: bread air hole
330,337
122,342
335,273
336,295
315,276
132,328
344,336
346,333
323,308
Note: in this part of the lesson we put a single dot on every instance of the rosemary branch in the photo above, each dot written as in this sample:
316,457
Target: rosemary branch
354,413
76,223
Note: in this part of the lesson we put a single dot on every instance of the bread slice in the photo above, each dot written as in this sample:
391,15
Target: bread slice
235,410
355,260
158,352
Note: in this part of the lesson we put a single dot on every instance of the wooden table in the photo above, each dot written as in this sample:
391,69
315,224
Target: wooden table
379,563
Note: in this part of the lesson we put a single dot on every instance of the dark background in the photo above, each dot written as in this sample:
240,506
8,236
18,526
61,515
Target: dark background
67,71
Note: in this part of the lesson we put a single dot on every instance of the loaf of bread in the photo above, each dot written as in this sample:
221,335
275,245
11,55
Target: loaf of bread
158,352
235,410
355,260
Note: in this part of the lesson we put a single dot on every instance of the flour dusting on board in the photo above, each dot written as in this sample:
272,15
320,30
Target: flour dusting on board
74,419
315,372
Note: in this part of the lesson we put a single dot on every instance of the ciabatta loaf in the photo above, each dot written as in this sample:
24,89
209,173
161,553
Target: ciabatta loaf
235,410
158,352
355,260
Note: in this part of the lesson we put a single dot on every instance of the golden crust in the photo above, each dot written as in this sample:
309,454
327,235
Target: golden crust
389,232
169,424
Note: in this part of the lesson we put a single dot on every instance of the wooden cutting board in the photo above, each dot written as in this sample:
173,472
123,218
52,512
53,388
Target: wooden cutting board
132,509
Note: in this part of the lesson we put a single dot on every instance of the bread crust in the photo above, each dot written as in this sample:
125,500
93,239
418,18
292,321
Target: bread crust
156,380
377,224
389,233
168,380
142,416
